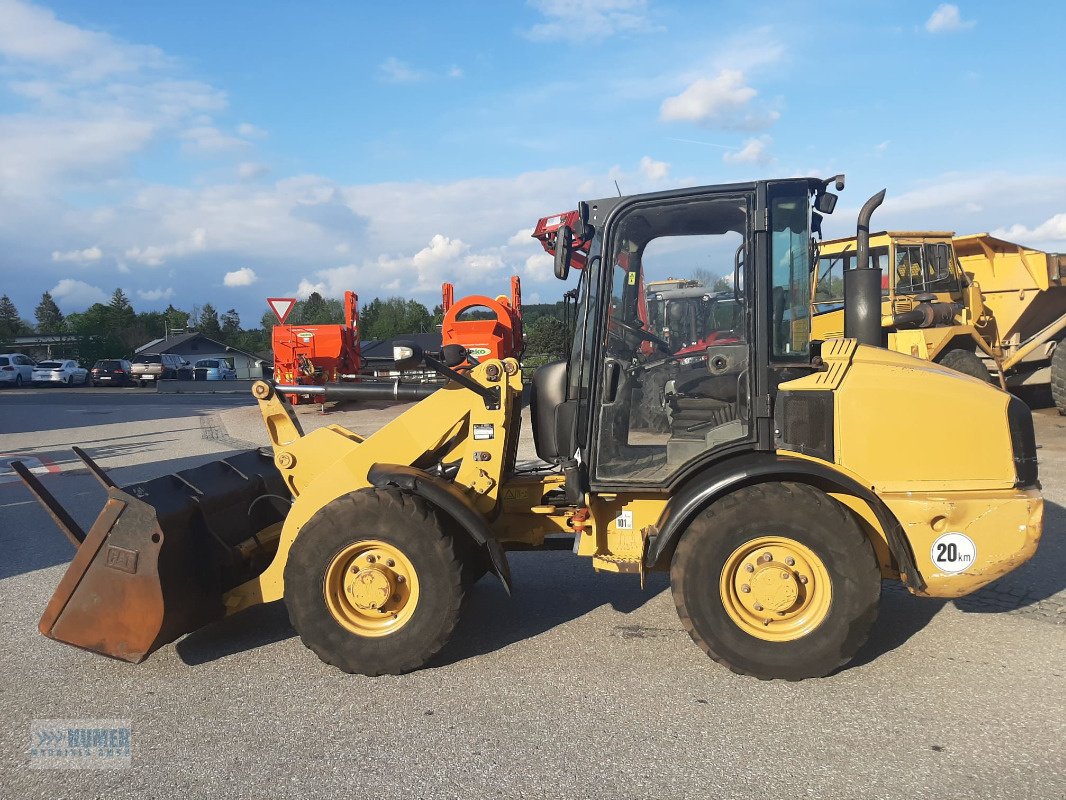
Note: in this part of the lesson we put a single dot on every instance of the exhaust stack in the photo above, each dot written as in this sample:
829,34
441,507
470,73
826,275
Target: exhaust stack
862,284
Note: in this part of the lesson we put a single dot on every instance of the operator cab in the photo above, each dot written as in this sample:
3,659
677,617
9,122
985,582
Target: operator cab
593,406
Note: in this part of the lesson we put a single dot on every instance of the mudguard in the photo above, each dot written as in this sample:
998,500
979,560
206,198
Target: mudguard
450,499
751,468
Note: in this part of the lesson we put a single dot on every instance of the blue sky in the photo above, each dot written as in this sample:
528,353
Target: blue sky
226,152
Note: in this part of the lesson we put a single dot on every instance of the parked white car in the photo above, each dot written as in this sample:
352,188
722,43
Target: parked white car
213,369
16,369
66,373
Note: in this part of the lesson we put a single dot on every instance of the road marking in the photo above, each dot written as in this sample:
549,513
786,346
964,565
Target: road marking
35,464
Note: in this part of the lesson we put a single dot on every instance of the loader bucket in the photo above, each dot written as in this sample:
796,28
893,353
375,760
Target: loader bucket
162,553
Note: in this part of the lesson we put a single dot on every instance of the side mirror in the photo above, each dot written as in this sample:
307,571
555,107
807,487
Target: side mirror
406,355
564,248
826,202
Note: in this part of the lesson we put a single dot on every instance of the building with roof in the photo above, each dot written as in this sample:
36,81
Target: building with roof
193,346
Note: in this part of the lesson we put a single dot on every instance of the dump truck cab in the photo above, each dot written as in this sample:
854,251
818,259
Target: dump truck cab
930,307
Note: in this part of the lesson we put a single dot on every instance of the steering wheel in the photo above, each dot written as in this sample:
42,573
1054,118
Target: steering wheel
644,335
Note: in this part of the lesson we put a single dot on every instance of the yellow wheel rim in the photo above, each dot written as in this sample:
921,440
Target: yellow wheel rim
776,589
371,588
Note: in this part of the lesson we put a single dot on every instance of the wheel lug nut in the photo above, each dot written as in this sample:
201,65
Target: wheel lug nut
749,568
803,578
390,563
401,579
745,588
371,559
785,575
758,606
765,557
766,621
790,561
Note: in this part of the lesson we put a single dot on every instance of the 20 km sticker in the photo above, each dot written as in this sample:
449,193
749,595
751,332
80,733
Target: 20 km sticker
953,552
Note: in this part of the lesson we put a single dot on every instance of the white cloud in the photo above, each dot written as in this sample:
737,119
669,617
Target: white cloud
156,255
75,295
454,72
947,19
573,21
245,276
1050,230
250,131
654,170
154,295
882,147
209,139
724,101
393,70
89,254
33,35
753,152
250,170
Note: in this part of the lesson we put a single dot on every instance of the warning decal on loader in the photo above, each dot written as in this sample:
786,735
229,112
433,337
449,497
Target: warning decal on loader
953,552
484,431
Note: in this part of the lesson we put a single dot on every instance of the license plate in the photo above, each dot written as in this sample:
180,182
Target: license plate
104,378
148,377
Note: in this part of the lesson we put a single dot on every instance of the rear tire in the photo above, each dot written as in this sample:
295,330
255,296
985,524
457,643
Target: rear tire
351,636
833,583
967,363
1058,377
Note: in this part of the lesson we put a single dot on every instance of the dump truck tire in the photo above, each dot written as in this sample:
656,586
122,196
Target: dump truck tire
776,580
967,363
372,583
1058,377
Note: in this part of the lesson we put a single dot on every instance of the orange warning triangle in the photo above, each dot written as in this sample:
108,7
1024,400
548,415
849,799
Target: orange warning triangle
281,306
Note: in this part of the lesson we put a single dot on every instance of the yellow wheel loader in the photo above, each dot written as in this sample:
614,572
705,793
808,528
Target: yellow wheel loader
778,501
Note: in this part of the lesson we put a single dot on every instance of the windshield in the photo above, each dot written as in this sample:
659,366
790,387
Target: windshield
108,364
207,362
49,365
4,361
149,360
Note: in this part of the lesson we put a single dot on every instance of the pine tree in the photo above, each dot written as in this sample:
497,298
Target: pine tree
208,323
121,315
49,317
10,321
231,326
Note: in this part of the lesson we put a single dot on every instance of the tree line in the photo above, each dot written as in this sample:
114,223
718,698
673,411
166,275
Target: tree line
115,329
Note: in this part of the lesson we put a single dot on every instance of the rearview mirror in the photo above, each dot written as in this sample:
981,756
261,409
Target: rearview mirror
564,248
826,202
406,356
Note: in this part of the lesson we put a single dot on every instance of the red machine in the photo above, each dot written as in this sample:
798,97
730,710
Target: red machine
318,354
500,336
547,229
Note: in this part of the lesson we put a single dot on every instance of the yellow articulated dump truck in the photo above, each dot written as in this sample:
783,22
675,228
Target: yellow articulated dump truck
978,304
777,514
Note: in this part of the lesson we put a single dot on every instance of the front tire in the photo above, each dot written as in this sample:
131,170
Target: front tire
967,363
776,581
1058,377
373,583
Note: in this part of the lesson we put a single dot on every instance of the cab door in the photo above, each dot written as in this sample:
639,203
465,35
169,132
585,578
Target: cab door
654,417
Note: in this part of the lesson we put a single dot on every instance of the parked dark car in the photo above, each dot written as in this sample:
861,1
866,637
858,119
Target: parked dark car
112,372
152,367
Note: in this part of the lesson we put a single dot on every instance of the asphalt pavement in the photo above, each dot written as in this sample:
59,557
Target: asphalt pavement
580,685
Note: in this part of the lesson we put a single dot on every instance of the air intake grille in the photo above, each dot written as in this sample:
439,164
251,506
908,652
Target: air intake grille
804,423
